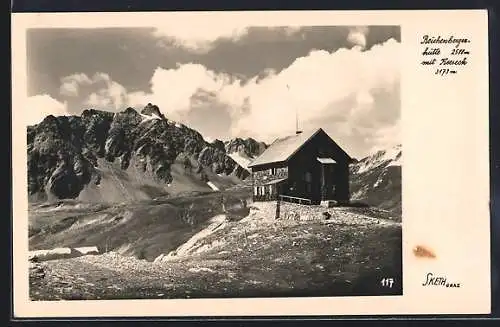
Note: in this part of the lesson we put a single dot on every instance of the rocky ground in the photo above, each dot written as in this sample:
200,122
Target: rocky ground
255,256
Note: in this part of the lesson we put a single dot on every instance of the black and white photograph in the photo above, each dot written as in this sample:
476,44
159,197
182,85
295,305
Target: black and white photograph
250,164
245,162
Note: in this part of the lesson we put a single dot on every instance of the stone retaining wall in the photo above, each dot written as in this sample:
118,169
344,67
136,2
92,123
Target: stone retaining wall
293,211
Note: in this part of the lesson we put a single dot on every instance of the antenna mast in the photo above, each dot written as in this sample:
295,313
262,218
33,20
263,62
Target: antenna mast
296,121
297,131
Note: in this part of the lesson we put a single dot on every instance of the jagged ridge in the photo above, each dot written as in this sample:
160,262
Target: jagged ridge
64,152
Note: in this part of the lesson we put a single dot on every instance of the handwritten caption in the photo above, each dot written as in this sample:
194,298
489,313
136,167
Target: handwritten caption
445,55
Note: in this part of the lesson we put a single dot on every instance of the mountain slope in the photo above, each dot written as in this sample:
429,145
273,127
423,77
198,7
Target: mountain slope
215,246
376,179
124,156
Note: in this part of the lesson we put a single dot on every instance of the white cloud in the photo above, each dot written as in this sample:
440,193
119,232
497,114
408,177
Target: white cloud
99,90
39,106
385,138
71,84
137,99
200,36
172,89
318,80
350,92
312,85
113,96
357,36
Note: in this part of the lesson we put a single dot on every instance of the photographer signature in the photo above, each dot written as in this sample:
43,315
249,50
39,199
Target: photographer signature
432,280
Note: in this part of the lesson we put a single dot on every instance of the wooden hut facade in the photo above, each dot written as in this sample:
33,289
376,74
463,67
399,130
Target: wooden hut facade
305,168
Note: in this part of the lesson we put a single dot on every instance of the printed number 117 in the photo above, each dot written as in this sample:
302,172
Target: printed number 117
387,282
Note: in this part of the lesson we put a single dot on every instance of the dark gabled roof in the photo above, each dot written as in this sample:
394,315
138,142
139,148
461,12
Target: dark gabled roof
284,148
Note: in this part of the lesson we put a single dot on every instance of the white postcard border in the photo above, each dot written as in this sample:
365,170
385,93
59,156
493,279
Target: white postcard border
445,156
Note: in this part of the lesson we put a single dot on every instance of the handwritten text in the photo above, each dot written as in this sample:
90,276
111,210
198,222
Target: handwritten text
444,55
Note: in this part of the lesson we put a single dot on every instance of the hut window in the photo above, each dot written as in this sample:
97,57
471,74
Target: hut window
255,190
308,177
272,171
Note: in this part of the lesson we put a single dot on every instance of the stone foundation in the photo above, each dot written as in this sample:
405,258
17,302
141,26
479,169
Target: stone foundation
266,211
290,211
293,211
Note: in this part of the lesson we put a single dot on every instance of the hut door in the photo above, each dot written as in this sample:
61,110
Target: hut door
324,181
327,181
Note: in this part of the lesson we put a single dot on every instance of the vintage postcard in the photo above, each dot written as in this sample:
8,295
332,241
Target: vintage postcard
250,163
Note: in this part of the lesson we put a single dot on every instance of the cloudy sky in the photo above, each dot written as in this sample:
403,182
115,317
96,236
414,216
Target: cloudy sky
225,83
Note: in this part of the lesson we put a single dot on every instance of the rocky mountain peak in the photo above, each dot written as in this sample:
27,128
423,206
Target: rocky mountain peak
130,111
89,113
219,145
152,110
247,147
69,154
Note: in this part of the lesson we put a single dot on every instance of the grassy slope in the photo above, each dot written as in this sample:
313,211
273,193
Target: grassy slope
118,185
246,258
144,229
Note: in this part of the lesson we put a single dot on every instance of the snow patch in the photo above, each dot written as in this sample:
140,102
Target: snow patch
243,161
62,253
201,269
212,186
108,142
147,117
397,162
193,244
88,250
389,157
391,153
80,224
